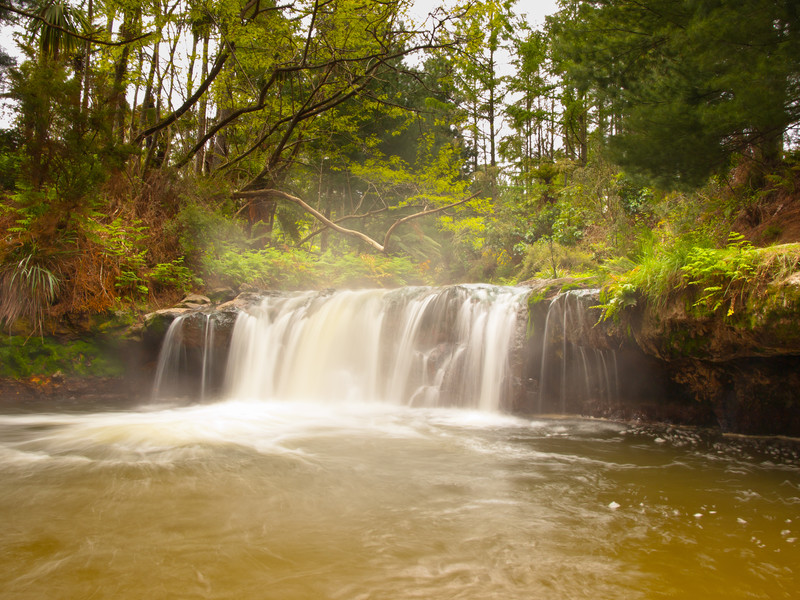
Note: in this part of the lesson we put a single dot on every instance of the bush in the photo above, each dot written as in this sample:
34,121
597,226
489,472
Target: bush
546,258
28,286
267,268
717,278
285,269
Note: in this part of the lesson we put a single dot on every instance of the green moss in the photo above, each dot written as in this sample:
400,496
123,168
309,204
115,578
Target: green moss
534,299
682,343
22,357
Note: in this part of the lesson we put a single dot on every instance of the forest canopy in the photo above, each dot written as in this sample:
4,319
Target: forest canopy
164,147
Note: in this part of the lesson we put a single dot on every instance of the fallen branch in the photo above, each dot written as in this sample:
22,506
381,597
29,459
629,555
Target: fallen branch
277,194
316,232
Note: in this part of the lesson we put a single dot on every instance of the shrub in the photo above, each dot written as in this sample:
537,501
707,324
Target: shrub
546,258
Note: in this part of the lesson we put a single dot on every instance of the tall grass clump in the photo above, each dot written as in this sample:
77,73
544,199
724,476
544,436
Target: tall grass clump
28,286
654,274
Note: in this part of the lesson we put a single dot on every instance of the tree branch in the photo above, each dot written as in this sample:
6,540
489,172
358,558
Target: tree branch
423,213
313,212
265,194
166,122
316,232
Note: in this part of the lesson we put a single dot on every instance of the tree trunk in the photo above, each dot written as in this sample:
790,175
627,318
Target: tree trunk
202,109
118,101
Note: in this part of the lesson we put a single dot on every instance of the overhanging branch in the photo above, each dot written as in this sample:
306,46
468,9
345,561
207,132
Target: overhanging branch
277,194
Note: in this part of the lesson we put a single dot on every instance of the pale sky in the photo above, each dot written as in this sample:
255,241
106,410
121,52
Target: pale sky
536,10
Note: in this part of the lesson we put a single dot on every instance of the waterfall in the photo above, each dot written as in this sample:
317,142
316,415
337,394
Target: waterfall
188,347
458,346
416,346
571,371
170,359
208,354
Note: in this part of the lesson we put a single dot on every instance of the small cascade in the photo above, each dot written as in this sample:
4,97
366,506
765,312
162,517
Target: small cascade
188,349
572,372
170,360
208,354
416,346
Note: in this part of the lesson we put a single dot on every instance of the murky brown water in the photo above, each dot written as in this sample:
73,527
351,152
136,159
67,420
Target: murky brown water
289,501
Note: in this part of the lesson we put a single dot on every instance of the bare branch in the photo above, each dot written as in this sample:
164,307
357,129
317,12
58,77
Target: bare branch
313,212
277,194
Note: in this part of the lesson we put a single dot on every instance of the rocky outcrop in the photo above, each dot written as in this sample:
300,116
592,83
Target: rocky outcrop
765,323
737,368
741,361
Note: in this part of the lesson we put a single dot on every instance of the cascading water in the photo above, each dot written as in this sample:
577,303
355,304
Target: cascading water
175,374
453,346
208,354
417,346
572,371
171,357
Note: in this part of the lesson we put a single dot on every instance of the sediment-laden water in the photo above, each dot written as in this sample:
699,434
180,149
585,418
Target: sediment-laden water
293,500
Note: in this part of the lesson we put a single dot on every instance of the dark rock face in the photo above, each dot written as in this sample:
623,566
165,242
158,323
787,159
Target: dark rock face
737,371
741,363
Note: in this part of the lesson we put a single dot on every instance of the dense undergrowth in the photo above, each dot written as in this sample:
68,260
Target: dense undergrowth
146,241
718,247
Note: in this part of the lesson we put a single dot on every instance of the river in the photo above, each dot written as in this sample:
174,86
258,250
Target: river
255,499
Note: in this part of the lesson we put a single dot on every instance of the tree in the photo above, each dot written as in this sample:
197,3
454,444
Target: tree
693,82
485,27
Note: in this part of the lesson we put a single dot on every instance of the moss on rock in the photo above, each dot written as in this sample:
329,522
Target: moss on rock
22,357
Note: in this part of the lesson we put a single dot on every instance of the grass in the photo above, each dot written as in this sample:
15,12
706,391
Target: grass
28,288
714,278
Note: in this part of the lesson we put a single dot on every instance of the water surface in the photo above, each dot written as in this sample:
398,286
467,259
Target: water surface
294,500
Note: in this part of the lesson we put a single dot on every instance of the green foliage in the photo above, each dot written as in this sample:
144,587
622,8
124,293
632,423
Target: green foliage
201,230
56,21
21,357
722,275
124,245
550,259
10,159
370,270
690,83
281,269
655,274
174,274
714,278
267,268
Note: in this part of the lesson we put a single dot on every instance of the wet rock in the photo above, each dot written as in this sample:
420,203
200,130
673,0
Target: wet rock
157,323
194,301
220,295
